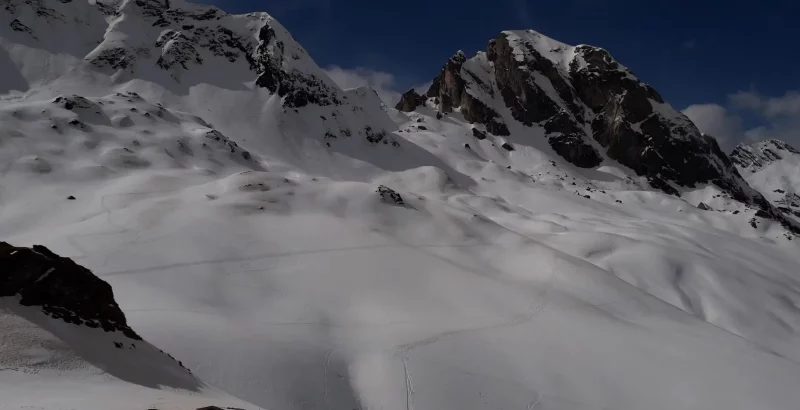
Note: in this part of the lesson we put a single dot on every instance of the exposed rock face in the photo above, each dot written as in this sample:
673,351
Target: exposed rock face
451,89
575,150
409,101
296,87
562,89
757,156
580,98
63,289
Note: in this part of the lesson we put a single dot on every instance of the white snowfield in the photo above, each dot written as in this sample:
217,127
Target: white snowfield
288,270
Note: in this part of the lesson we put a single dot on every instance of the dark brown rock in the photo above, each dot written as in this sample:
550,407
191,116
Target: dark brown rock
527,101
409,101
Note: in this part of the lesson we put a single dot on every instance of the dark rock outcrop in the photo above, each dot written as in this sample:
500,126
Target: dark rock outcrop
17,25
390,196
527,101
298,89
114,59
409,101
63,289
450,88
575,150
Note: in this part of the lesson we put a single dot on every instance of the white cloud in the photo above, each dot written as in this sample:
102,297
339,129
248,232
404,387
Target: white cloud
780,115
785,130
776,117
786,106
422,88
717,121
385,84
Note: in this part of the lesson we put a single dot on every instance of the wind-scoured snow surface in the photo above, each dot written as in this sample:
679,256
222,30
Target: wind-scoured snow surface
299,246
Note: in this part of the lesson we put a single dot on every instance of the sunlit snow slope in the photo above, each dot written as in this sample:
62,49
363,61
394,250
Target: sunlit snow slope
774,168
300,246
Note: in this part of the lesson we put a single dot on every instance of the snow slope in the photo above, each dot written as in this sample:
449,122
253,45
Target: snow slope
40,370
412,264
66,343
774,168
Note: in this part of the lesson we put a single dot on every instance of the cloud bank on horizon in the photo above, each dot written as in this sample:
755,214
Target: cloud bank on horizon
779,118
384,84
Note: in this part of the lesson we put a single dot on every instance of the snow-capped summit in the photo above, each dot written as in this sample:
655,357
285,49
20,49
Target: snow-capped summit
244,73
590,109
772,167
754,157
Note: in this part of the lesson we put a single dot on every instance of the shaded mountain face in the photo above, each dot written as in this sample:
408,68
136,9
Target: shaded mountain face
589,107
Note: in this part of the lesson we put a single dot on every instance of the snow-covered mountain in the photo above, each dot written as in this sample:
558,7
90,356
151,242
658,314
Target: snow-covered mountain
772,167
590,110
539,231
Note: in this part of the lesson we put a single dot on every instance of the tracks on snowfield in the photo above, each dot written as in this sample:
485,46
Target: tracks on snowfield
534,310
283,254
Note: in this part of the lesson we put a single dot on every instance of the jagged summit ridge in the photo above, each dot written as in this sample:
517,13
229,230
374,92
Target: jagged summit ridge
760,154
773,167
589,108
183,55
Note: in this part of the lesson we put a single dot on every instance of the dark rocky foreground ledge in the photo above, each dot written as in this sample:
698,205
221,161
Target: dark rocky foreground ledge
63,289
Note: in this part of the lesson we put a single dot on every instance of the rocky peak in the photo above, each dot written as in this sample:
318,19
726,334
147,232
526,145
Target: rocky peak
63,289
177,45
451,87
410,100
753,157
581,99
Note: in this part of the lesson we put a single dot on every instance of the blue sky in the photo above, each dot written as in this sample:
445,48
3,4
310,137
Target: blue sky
731,64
